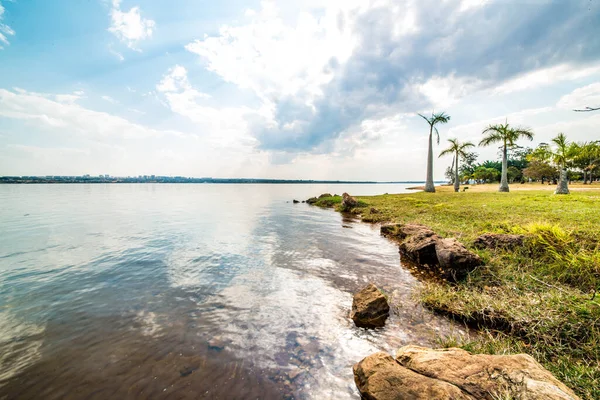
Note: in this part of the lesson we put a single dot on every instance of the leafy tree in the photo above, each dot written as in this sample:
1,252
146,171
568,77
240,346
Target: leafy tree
586,157
468,166
459,151
486,175
539,170
507,136
514,174
435,119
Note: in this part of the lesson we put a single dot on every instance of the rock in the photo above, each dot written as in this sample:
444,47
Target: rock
312,200
499,240
420,249
485,376
380,377
424,248
454,259
295,201
348,202
325,195
375,211
370,308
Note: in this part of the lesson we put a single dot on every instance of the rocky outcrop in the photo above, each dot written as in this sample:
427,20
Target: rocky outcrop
370,308
312,200
422,247
499,241
325,195
422,373
380,377
348,202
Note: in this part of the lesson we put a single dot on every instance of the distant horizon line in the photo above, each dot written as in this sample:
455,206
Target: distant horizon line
178,179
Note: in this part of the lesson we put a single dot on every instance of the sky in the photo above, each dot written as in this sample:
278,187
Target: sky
308,89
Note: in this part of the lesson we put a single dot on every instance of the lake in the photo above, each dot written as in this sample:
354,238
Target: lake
192,291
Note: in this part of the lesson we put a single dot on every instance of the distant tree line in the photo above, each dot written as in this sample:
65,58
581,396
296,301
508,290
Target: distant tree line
543,164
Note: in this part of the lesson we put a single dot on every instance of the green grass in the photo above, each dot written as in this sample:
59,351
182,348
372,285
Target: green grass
538,299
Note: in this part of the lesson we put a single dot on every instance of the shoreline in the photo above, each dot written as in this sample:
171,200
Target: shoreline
526,300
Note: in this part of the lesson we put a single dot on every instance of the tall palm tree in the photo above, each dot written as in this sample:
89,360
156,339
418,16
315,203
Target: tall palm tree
459,150
439,118
507,135
561,158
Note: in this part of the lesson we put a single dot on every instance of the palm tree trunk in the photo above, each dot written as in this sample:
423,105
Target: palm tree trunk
563,183
429,187
456,181
504,179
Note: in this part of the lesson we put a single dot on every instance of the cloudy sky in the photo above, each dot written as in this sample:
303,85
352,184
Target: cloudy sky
307,89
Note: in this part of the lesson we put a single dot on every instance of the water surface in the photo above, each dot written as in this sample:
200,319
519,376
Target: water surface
191,291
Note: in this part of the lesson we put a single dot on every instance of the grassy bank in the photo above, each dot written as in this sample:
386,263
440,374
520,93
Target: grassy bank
538,299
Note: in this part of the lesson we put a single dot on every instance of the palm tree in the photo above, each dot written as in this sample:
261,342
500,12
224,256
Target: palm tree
505,134
561,157
459,150
439,118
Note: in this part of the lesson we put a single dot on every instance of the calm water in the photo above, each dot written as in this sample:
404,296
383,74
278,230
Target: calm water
191,291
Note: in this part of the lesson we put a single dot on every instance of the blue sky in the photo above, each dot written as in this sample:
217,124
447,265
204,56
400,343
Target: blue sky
310,90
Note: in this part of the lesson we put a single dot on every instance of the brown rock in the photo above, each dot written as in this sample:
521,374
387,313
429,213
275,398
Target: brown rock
348,202
420,249
370,308
454,259
486,376
499,240
325,195
402,231
380,377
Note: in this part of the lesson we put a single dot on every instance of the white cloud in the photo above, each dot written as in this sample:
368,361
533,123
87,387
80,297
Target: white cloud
129,26
5,30
224,126
275,59
580,98
446,91
62,111
546,77
109,99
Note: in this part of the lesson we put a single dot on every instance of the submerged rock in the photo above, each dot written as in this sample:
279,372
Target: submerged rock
370,308
348,202
422,373
499,240
295,201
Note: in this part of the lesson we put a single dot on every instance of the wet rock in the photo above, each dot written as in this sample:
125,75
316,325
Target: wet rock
293,374
499,240
348,202
312,200
295,201
325,195
454,259
216,343
370,308
380,377
485,376
422,247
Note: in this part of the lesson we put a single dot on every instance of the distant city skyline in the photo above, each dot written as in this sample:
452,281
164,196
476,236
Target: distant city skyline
285,90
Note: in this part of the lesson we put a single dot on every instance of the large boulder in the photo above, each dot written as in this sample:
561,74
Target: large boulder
380,377
486,376
348,202
454,259
370,308
499,241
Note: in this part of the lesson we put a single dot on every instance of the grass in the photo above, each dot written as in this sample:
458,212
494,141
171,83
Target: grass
539,299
